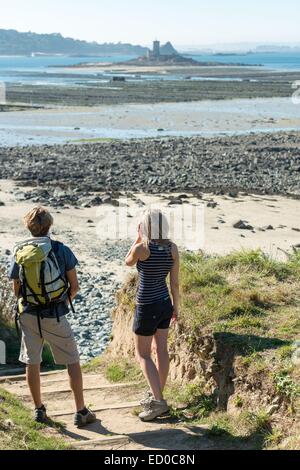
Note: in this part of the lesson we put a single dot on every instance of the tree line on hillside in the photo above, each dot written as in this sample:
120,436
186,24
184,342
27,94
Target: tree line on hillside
15,43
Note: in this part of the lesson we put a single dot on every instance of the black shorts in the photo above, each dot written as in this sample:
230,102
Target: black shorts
150,318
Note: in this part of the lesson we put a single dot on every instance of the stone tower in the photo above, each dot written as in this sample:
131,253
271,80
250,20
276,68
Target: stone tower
156,49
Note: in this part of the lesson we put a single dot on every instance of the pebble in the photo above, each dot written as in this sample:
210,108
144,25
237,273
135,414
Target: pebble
94,173
243,225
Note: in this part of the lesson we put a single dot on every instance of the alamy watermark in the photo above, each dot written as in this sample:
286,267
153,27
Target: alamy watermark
296,94
2,353
182,223
2,93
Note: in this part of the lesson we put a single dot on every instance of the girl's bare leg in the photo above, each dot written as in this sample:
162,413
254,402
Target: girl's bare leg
143,354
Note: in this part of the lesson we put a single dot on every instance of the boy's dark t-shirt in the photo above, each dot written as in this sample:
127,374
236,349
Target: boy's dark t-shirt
66,261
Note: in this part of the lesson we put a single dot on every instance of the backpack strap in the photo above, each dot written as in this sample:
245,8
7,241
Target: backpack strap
42,277
23,285
55,245
29,288
17,321
57,315
70,301
53,258
39,316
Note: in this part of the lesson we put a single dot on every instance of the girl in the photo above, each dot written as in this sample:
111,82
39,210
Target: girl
156,257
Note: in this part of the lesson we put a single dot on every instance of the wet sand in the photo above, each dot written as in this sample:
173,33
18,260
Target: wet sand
219,71
203,118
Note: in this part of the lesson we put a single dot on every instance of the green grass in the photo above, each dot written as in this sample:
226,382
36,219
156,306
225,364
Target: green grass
9,336
244,293
120,371
47,357
7,328
285,385
246,430
273,438
285,352
19,432
190,402
115,371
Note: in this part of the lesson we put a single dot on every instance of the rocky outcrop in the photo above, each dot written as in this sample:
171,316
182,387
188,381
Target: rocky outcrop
168,49
211,360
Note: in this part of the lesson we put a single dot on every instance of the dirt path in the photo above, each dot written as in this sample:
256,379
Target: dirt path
117,426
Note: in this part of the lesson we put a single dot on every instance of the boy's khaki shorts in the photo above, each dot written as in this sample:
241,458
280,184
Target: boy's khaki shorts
58,335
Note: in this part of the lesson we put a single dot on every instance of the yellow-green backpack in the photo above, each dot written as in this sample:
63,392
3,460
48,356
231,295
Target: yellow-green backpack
41,280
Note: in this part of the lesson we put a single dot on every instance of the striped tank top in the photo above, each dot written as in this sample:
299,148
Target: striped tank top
153,274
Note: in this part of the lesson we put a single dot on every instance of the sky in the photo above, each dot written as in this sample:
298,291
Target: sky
183,22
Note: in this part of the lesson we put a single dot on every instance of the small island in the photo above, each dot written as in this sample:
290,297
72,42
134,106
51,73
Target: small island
167,55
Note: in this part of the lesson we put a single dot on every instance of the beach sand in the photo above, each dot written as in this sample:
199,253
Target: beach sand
214,229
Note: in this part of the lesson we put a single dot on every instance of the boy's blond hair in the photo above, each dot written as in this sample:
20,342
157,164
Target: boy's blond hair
38,221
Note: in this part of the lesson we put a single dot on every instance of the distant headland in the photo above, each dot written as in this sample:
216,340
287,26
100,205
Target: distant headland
13,42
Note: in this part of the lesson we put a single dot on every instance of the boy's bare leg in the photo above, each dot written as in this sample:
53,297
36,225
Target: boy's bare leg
76,384
34,383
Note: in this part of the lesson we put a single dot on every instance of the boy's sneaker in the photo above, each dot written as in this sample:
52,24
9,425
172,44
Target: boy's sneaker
153,409
40,415
84,417
147,397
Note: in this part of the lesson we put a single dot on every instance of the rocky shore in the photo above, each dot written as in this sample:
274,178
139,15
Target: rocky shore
92,322
74,174
147,91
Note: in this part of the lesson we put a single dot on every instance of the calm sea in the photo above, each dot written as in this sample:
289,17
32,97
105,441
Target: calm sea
41,69
286,61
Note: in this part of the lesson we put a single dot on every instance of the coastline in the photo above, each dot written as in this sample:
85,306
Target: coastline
223,146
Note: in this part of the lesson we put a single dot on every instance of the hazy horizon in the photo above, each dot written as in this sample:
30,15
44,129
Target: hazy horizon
192,24
229,46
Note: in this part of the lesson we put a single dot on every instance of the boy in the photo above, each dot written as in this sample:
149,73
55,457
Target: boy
48,322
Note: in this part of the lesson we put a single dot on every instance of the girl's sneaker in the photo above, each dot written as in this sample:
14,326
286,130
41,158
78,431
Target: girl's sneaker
153,409
148,396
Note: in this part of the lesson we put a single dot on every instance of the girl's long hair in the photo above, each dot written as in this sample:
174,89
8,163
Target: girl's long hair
155,227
